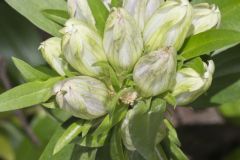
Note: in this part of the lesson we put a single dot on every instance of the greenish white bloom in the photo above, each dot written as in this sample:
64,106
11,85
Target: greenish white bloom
155,72
82,96
168,26
82,47
190,84
122,41
52,53
79,9
205,17
141,10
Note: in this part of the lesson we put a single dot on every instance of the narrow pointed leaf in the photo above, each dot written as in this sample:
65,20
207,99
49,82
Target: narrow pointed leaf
57,16
100,14
69,134
27,94
28,72
116,148
32,10
209,41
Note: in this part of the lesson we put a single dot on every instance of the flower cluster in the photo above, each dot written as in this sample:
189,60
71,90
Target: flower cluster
138,50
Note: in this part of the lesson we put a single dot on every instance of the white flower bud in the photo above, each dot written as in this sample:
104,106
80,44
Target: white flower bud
80,10
122,42
82,96
190,84
141,10
82,47
205,17
52,53
155,72
168,26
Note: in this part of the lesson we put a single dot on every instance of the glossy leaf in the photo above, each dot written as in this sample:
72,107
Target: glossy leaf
116,147
144,128
93,141
109,121
110,73
226,73
197,65
207,42
28,72
32,10
27,94
57,16
84,153
171,144
230,94
117,3
100,14
64,154
69,134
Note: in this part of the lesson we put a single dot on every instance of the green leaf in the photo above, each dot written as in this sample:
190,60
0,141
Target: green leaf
72,131
117,3
230,10
172,134
110,73
208,41
27,94
6,151
69,134
57,16
231,110
43,127
16,41
32,10
197,65
116,148
230,94
64,154
58,114
110,121
135,156
93,141
84,153
144,128
28,72
100,14
171,144
227,72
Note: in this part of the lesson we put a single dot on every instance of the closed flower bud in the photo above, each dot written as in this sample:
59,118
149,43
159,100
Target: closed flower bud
82,47
190,84
52,53
80,10
82,96
141,10
123,43
205,17
168,26
155,72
